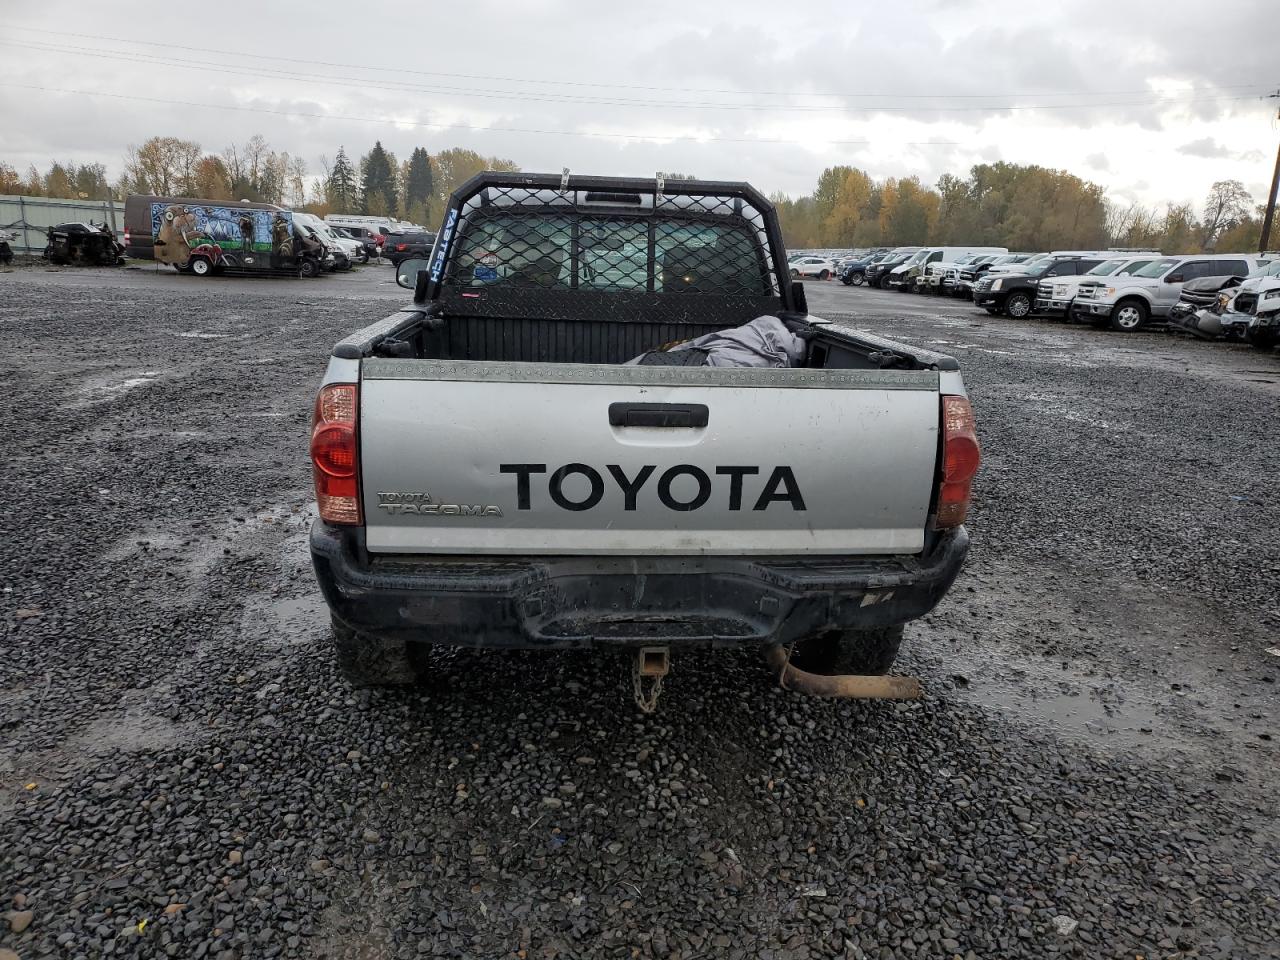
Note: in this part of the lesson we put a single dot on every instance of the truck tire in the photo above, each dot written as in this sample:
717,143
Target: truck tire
1128,316
860,652
1017,305
856,280
200,266
1263,338
370,661
308,268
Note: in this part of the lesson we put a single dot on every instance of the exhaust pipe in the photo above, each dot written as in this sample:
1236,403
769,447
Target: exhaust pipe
847,686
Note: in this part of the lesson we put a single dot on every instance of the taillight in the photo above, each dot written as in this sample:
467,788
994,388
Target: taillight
400,247
960,459
335,454
126,236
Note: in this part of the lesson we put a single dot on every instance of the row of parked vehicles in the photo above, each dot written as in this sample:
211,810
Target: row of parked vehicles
1232,296
204,237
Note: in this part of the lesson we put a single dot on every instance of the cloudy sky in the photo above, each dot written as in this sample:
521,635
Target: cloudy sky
1154,100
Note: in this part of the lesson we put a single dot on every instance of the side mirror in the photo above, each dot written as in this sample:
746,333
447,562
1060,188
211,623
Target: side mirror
1174,278
407,272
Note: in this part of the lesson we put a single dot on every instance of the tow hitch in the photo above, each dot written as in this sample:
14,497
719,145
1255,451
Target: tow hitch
650,664
850,686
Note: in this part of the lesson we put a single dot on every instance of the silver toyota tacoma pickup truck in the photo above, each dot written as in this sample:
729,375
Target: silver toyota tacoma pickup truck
528,455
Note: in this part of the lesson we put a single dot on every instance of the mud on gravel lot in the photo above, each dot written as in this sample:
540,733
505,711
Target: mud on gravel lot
1091,774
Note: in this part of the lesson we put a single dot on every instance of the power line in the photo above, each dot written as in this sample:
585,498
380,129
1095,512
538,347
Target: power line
575,100
580,83
396,121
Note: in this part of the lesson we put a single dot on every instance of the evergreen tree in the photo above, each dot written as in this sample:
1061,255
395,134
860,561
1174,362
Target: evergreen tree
379,184
342,189
419,185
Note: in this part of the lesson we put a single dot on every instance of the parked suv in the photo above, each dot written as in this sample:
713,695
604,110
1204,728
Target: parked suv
402,246
1014,294
1130,303
877,274
854,274
820,267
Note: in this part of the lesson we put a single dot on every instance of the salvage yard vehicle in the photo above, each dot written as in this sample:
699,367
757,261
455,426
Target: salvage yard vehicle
83,244
564,441
1130,303
877,274
345,251
909,277
854,274
1250,311
1055,293
1206,308
1014,293
941,276
204,237
364,237
970,274
819,267
405,246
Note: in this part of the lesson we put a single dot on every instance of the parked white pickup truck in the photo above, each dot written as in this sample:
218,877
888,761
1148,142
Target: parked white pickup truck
527,455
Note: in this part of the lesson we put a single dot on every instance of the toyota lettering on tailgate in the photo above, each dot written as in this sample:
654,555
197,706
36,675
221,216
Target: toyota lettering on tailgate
779,487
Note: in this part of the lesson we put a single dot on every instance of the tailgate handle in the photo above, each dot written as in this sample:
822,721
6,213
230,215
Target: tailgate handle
658,414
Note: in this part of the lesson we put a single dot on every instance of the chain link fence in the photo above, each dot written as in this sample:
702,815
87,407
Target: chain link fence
30,217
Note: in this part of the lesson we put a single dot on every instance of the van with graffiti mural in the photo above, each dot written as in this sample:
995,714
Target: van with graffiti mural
205,237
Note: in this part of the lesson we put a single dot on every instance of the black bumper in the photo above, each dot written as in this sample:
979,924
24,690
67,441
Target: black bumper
988,298
622,601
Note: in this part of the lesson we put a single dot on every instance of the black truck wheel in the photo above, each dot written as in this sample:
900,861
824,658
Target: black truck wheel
308,268
857,279
1017,305
369,661
1264,338
862,652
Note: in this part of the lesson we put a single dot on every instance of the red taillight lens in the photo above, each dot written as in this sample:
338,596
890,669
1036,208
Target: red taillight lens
335,454
960,459
126,236
400,247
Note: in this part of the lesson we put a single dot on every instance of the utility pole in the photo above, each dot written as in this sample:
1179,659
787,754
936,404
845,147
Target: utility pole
1267,220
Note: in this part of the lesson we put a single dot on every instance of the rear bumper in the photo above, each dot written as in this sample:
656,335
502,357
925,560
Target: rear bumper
624,601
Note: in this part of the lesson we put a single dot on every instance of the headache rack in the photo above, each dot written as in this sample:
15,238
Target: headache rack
554,247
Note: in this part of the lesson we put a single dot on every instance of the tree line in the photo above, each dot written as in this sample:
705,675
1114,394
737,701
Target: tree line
1022,207
377,184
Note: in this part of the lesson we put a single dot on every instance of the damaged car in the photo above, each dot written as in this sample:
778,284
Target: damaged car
1223,306
83,244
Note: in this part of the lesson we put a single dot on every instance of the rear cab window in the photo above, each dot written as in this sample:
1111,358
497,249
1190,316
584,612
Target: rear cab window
611,254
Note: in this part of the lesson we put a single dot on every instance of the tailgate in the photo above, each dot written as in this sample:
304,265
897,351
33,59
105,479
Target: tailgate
523,458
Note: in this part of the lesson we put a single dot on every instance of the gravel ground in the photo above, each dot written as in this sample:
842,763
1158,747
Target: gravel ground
1090,775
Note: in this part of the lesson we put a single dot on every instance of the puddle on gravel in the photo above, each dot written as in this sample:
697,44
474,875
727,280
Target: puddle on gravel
1099,710
103,389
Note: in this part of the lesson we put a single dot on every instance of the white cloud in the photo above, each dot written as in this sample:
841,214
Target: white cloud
721,88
